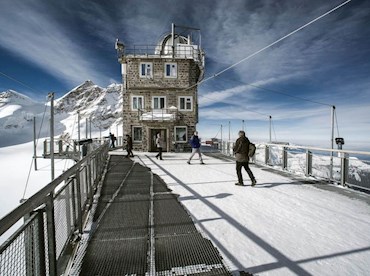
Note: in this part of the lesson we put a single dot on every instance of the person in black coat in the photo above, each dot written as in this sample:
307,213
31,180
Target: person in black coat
129,146
112,140
241,150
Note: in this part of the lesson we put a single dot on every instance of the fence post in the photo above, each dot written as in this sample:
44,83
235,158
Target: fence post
344,169
41,242
60,146
285,158
45,147
50,223
308,163
267,154
78,207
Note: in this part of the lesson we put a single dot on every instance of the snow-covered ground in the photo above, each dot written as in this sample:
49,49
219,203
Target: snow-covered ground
279,227
15,163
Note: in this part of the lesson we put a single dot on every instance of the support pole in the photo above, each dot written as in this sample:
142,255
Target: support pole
173,39
270,118
222,141
243,125
78,131
86,127
34,143
51,96
229,130
90,126
332,142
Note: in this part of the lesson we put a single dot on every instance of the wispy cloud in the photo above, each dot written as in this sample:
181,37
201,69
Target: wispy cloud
29,31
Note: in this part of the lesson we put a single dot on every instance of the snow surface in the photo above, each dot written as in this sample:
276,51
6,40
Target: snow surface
279,227
9,110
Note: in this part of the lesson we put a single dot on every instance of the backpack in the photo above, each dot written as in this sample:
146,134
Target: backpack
252,149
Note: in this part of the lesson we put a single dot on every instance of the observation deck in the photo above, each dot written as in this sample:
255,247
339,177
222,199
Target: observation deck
153,217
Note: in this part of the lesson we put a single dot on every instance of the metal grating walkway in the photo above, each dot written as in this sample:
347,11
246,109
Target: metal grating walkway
140,228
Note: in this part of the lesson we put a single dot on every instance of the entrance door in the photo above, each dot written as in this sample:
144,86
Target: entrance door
153,137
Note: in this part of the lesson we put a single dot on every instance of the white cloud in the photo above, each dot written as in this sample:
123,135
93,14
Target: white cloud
30,32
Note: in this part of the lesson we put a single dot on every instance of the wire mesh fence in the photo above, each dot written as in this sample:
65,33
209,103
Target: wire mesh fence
339,166
52,217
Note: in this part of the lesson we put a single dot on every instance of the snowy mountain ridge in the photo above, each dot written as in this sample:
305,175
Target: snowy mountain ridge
103,106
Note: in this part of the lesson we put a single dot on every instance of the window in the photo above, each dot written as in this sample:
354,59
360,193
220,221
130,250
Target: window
186,103
181,134
137,102
159,102
170,70
137,134
146,70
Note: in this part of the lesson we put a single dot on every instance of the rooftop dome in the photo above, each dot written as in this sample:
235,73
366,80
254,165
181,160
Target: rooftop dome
165,44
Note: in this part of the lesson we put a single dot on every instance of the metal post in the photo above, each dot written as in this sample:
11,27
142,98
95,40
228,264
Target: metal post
90,126
308,163
34,143
267,154
222,141
344,169
78,209
41,243
78,131
285,158
51,95
332,142
51,235
173,40
243,125
86,128
270,128
229,130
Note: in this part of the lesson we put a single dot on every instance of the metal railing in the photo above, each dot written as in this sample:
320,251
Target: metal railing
180,51
164,114
349,168
53,219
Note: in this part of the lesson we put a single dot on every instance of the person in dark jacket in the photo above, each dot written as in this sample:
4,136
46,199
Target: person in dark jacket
129,146
195,147
112,140
241,150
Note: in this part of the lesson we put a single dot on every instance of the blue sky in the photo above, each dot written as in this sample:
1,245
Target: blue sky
56,45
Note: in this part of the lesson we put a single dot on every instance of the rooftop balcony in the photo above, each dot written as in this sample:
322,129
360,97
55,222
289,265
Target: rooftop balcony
164,114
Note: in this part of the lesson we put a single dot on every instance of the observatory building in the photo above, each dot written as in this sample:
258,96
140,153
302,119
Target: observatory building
160,89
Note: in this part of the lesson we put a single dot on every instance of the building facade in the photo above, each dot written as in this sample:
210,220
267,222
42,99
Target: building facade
160,92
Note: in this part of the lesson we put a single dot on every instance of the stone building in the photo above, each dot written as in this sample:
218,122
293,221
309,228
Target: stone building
160,91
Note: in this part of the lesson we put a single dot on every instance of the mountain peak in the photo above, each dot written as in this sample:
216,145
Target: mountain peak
11,96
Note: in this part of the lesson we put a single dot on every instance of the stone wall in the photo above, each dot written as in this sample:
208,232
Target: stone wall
159,85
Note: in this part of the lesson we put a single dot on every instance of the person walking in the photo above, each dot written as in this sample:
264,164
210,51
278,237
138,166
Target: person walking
241,150
195,147
112,140
159,144
129,146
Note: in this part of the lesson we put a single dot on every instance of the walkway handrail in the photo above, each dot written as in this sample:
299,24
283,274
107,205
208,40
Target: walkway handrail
70,195
338,166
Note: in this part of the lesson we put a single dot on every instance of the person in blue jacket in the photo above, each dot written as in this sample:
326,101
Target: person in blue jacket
195,147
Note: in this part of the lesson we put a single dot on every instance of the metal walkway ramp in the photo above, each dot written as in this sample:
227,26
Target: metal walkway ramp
142,229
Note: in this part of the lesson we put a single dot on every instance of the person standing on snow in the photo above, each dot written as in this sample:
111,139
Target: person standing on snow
112,140
129,146
241,150
195,145
159,144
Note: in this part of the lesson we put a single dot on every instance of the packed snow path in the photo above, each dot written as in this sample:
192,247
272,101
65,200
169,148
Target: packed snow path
279,227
